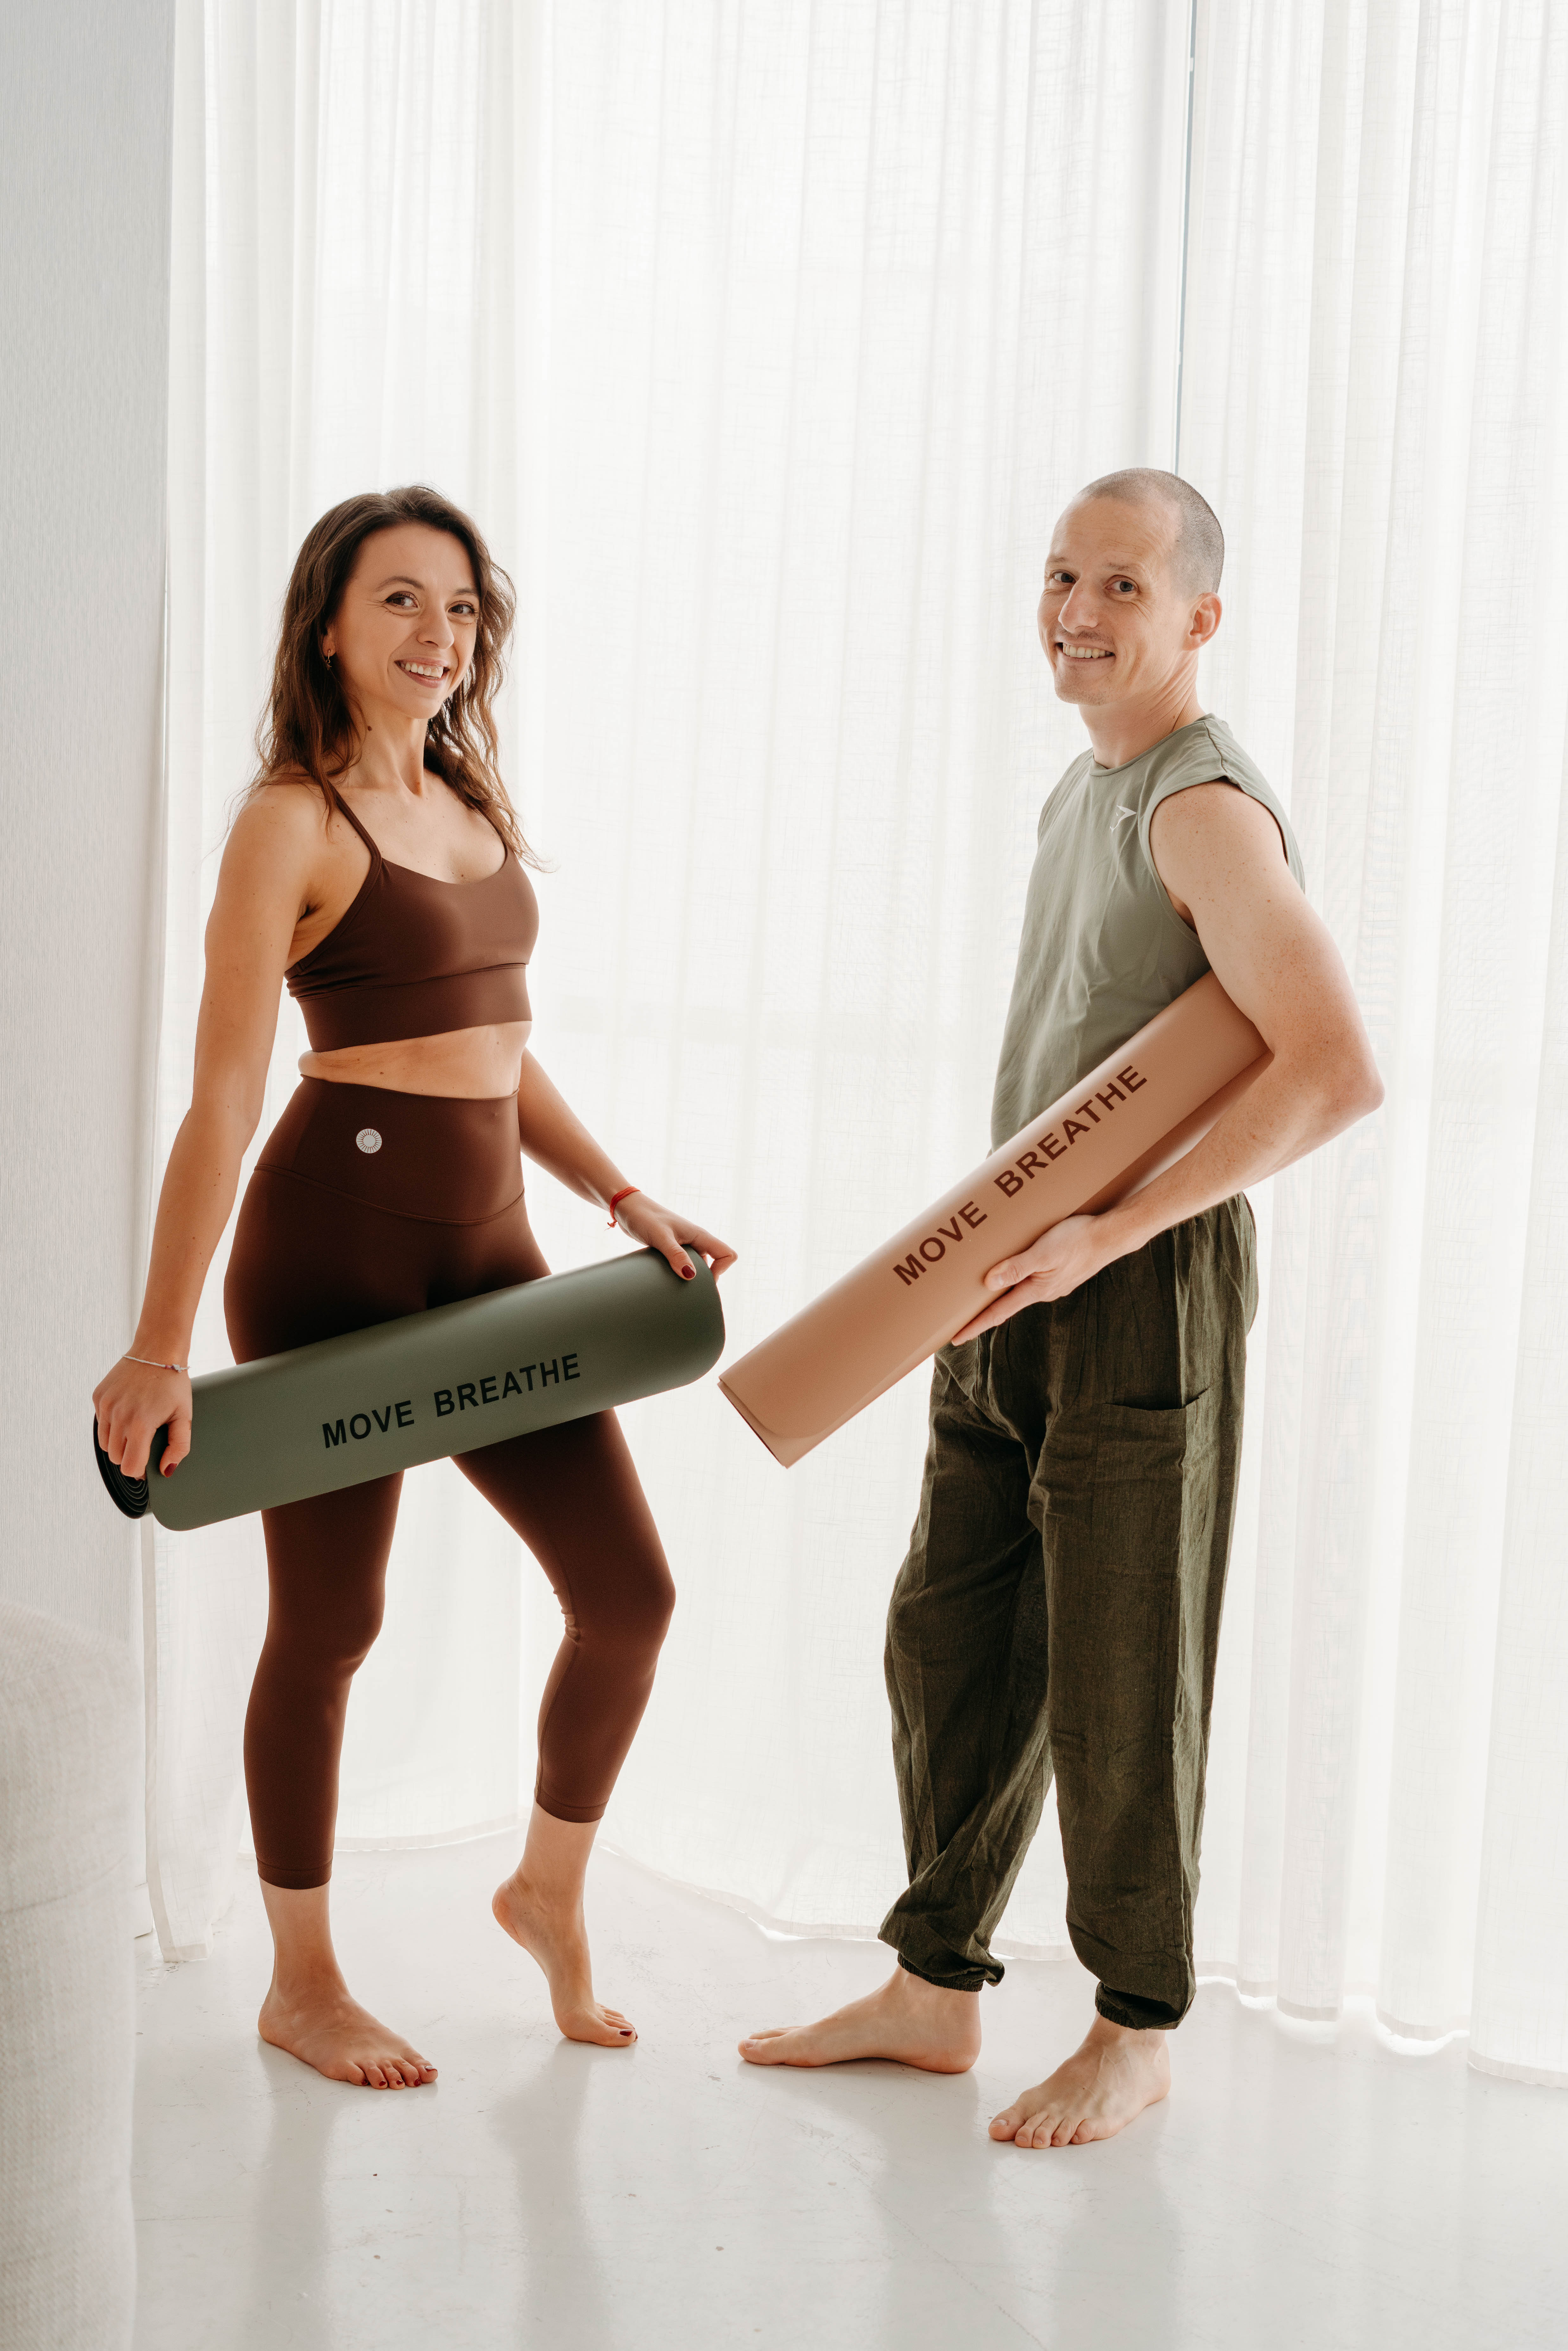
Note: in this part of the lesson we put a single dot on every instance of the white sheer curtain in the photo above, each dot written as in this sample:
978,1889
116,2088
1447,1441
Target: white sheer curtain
765,342
1373,363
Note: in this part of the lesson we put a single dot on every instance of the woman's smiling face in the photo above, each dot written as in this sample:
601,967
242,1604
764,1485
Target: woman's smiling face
403,635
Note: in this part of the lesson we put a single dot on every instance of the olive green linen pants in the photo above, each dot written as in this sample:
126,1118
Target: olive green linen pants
1059,1610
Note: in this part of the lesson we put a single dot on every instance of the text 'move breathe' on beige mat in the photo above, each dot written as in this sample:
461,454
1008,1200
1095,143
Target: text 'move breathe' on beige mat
1124,1123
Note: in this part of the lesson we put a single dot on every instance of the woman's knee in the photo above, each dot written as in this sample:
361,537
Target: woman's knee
630,1613
324,1645
651,1603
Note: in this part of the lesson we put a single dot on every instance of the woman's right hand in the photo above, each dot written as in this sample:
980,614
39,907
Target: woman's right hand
133,1402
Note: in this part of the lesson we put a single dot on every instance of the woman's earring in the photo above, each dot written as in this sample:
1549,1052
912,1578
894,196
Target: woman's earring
328,659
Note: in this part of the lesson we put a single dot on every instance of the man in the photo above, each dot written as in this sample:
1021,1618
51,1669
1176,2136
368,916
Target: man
1058,1608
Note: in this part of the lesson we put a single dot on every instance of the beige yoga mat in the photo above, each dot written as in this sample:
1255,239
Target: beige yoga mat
1142,1109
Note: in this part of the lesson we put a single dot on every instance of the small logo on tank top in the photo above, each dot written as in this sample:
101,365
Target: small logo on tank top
1123,812
368,1139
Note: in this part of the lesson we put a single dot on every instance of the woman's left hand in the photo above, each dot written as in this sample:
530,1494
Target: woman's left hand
671,1235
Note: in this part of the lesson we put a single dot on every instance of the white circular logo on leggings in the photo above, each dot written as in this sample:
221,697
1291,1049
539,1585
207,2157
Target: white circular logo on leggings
368,1139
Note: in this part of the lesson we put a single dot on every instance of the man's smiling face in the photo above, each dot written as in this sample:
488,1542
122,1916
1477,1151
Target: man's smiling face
1116,620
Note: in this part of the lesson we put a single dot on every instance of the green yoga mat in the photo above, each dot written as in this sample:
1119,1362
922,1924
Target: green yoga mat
427,1385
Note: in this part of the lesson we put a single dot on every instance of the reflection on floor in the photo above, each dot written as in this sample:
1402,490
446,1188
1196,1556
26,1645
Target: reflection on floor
1303,2186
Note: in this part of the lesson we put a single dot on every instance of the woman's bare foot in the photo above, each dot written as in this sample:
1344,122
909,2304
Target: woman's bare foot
325,2027
310,2012
907,2020
1099,2090
560,1943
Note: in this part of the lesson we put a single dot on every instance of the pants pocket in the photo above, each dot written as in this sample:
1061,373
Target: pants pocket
1110,1479
1116,1488
1143,1458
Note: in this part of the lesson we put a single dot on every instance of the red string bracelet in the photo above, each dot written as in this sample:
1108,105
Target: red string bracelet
620,1195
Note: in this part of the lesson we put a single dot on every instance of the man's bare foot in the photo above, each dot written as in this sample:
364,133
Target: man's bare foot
1099,2090
559,1944
324,2028
907,2020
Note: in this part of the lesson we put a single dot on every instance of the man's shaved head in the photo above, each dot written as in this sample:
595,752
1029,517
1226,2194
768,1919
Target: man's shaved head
1198,556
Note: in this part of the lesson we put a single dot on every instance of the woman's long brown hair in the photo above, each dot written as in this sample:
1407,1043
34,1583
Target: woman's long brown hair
307,729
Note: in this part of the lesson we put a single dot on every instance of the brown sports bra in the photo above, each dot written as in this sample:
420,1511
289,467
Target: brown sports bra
417,958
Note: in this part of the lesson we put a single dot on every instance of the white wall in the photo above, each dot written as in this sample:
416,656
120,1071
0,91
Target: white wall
85,114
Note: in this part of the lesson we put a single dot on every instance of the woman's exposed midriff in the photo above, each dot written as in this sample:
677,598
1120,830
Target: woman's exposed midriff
466,1064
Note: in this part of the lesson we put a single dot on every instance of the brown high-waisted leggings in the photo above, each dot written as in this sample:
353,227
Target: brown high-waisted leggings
364,1206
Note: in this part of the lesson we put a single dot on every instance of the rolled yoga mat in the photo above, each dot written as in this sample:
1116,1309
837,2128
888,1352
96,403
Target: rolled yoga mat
448,1381
1124,1123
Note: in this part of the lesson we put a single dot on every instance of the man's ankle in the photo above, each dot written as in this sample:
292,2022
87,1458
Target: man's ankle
925,1993
1109,2033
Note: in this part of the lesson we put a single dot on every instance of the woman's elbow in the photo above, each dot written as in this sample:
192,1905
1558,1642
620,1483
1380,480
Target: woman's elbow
229,1116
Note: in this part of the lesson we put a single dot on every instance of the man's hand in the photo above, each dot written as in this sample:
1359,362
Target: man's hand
1064,1257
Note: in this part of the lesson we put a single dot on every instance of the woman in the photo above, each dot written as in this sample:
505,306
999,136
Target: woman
363,870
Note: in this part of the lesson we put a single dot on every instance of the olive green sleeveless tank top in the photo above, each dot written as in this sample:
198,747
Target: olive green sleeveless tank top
1102,948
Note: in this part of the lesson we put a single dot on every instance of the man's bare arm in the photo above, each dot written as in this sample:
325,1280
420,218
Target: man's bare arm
1219,855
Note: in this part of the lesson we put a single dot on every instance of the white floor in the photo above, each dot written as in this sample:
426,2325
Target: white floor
1303,2186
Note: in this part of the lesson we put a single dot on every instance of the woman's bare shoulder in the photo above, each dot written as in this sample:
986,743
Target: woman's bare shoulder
286,800
283,817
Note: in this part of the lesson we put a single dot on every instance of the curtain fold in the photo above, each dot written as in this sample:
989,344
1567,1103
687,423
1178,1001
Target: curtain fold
1374,343
336,248
765,342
